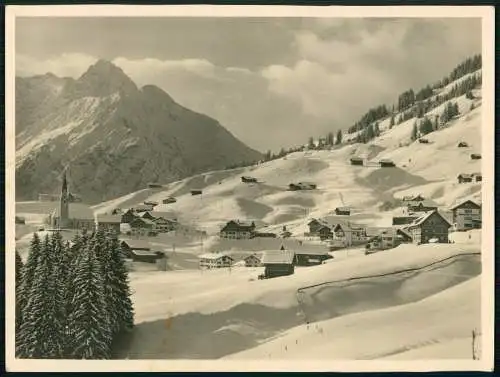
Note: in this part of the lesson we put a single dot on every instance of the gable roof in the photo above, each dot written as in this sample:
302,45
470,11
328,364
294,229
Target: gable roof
163,214
422,219
76,211
462,203
241,224
137,244
278,257
465,175
142,219
143,207
104,218
410,198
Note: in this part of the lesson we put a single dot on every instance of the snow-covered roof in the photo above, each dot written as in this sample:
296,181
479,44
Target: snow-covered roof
461,203
137,244
76,211
278,257
104,218
163,214
144,252
143,207
213,256
420,220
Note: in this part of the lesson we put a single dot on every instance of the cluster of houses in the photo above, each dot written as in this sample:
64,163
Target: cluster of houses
469,177
244,230
421,223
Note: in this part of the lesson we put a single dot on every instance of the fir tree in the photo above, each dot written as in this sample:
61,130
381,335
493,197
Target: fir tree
19,301
338,140
39,332
456,111
425,126
122,303
414,132
310,142
329,139
88,323
22,342
392,122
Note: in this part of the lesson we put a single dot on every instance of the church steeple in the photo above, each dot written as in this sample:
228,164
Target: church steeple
64,213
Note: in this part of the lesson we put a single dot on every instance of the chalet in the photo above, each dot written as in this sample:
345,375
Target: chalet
477,177
423,141
236,229
343,211
165,225
475,156
325,233
429,226
310,257
466,215
152,215
390,238
140,251
252,261
140,223
346,235
464,178
196,192
386,163
20,220
248,179
356,161
463,144
109,222
316,225
403,220
278,263
154,185
215,260
129,216
143,208
169,200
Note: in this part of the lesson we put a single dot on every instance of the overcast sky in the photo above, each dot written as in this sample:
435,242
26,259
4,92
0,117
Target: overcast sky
272,82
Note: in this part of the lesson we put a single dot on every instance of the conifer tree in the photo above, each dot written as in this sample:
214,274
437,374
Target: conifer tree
414,132
39,333
88,323
19,279
392,122
338,140
122,303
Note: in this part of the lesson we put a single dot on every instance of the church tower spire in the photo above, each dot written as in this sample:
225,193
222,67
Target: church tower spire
64,213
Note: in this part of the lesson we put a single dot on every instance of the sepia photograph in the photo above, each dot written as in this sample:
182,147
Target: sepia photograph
249,188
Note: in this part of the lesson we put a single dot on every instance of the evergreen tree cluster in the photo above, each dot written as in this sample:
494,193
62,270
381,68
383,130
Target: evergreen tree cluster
373,115
469,65
72,302
449,112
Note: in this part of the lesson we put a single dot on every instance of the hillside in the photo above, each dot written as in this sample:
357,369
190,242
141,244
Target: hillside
432,172
115,136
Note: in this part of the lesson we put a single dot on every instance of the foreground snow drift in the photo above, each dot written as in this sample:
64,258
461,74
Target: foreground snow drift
435,327
212,314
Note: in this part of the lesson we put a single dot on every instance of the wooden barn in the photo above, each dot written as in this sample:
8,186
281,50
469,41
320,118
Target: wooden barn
278,263
420,207
143,208
464,178
343,211
169,200
384,163
246,179
475,156
143,225
356,161
310,257
302,186
423,141
429,226
215,260
150,203
463,144
196,192
140,251
154,185
477,177
389,238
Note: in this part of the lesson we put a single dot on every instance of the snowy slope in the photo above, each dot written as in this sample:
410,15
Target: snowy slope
430,169
445,319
